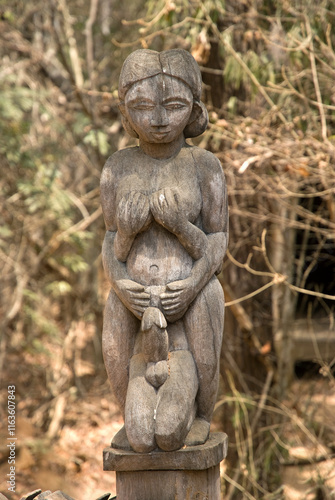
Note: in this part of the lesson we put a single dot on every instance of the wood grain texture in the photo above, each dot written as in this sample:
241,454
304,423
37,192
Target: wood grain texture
169,485
190,458
165,208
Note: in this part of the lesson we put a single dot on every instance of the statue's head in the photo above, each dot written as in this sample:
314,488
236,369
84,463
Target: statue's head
175,64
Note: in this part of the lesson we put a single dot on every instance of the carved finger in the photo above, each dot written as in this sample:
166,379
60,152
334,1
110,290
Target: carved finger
162,199
139,310
171,305
135,287
141,202
175,287
144,208
140,298
121,208
156,209
139,305
172,295
138,292
173,308
168,302
170,198
138,201
154,204
159,199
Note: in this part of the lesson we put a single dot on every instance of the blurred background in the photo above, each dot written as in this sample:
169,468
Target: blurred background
268,69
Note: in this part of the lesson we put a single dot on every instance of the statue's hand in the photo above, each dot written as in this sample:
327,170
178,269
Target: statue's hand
133,214
133,296
177,298
166,208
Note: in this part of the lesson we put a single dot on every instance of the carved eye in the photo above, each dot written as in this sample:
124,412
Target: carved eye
145,106
170,106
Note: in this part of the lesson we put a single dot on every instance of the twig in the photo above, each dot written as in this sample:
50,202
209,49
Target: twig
60,405
306,461
247,267
261,404
311,292
299,94
236,485
252,294
245,451
147,24
244,66
161,32
316,83
89,40
56,240
71,40
242,317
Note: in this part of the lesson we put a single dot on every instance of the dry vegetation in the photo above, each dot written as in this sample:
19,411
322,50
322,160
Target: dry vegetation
268,69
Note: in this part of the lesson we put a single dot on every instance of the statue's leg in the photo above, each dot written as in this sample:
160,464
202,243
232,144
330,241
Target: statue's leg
175,409
118,339
204,328
140,411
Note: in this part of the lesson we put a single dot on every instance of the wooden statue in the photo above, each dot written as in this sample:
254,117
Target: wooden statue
165,209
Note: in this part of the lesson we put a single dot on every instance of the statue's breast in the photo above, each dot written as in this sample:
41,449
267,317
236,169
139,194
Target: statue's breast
180,175
149,175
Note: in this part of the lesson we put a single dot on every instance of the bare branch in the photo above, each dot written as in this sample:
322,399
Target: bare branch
324,131
89,40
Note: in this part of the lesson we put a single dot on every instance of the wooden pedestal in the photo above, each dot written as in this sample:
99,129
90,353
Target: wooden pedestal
192,473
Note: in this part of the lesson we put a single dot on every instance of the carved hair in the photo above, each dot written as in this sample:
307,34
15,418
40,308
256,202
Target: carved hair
177,63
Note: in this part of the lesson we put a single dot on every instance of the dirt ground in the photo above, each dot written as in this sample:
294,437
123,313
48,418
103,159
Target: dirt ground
309,473
72,461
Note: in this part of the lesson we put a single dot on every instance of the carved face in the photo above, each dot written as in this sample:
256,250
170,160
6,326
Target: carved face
159,108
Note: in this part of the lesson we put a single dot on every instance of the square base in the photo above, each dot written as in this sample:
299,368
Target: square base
192,473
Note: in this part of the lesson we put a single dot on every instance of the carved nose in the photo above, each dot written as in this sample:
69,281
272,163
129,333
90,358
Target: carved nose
159,117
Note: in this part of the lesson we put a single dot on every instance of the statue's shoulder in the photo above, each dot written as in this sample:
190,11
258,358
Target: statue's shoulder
117,160
116,166
205,160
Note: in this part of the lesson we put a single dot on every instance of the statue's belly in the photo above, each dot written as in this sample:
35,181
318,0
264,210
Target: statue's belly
157,258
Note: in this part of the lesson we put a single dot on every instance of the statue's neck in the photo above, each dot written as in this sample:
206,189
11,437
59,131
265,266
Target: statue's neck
162,150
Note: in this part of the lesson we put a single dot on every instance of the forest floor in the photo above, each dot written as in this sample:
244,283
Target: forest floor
67,455
308,473
72,460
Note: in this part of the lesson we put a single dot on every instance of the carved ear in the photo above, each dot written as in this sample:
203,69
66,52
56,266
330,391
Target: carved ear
196,112
125,121
198,121
122,108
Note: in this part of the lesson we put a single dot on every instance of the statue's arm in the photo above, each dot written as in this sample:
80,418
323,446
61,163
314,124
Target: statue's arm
179,294
214,215
167,210
132,294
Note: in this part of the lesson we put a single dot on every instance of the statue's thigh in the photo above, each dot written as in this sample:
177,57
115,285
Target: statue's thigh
140,408
203,323
118,339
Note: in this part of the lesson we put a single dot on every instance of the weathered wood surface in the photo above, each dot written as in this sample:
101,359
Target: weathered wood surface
56,495
169,485
165,208
192,473
194,458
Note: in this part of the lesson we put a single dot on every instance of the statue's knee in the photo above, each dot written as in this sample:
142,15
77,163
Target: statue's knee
142,443
170,429
169,442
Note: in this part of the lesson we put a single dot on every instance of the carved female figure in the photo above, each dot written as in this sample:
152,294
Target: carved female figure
165,208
